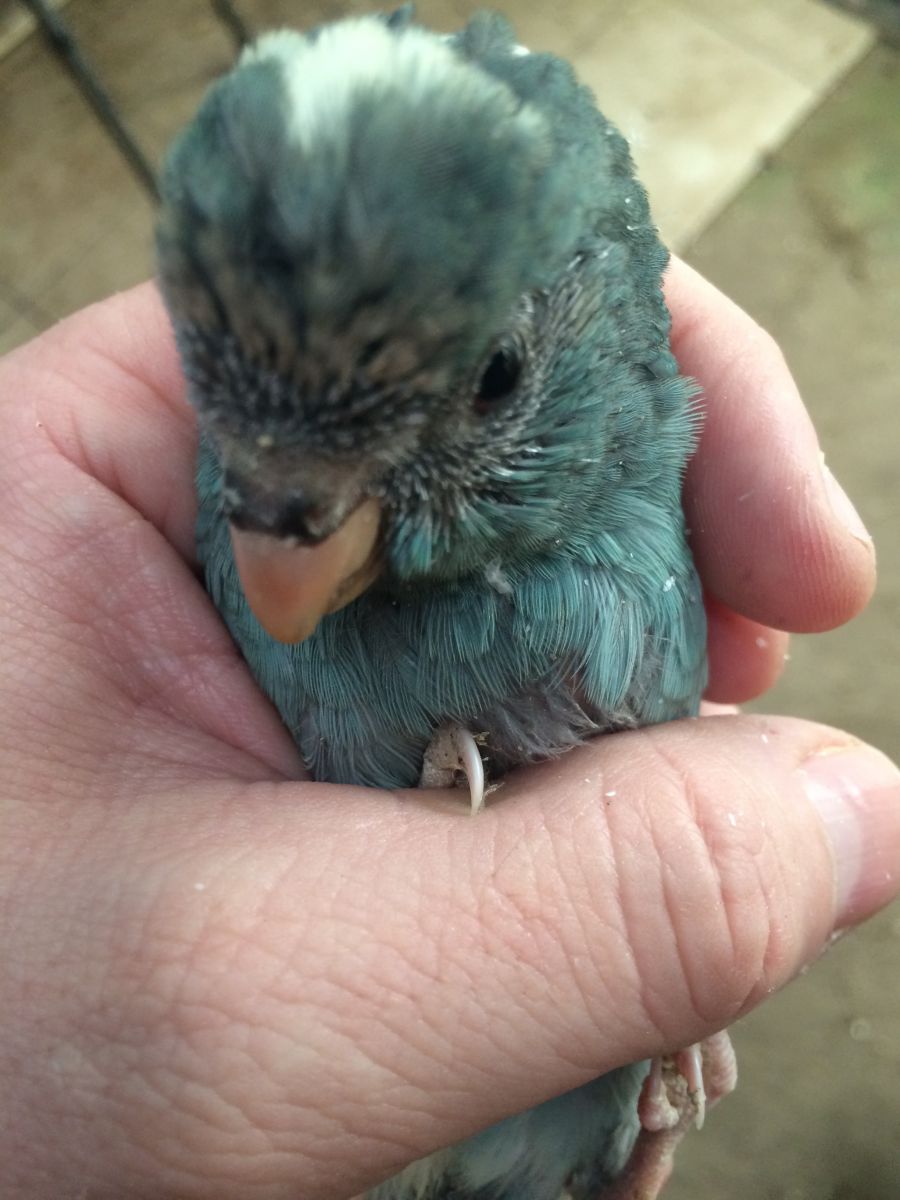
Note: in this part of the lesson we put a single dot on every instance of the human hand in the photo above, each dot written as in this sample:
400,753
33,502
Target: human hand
221,983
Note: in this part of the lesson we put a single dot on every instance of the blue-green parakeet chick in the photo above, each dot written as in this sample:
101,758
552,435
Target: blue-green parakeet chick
416,292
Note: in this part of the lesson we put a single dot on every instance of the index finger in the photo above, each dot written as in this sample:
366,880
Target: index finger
774,536
106,386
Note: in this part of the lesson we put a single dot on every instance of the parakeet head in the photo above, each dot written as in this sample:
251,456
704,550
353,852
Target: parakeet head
366,244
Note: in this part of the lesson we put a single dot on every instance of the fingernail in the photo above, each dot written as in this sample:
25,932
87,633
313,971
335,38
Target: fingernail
856,791
842,506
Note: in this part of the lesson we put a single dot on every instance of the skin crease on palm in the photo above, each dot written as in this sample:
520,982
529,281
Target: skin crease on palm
219,982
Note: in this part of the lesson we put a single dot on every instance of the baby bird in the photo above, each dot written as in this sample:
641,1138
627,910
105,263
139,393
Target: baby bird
416,292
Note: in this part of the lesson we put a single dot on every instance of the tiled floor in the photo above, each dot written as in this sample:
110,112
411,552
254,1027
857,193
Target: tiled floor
704,90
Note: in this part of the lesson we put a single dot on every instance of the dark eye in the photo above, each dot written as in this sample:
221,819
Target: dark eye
499,377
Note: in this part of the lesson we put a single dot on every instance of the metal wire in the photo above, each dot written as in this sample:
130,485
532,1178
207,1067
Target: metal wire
233,21
63,44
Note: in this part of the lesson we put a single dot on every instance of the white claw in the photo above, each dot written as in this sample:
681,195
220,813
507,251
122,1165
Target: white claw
453,749
474,768
471,763
690,1063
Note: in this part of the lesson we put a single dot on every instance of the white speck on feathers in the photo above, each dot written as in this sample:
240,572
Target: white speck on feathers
495,577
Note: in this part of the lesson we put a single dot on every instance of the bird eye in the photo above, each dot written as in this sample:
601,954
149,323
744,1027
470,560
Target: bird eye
499,377
370,351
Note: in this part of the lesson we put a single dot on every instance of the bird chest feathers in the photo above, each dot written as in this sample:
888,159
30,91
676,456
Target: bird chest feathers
533,657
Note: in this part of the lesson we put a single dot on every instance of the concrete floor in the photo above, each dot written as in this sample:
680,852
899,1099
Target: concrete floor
811,247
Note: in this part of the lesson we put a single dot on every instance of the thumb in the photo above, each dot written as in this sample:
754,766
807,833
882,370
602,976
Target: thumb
632,897
673,877
629,899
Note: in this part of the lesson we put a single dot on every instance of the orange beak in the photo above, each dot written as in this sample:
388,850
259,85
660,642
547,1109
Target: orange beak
290,588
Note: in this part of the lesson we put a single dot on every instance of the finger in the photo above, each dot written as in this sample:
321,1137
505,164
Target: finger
105,388
112,647
389,974
745,658
774,536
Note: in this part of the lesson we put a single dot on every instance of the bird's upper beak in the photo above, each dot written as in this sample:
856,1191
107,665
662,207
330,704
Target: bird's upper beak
291,586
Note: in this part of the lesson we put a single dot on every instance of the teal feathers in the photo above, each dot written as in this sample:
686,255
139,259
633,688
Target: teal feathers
448,296
538,657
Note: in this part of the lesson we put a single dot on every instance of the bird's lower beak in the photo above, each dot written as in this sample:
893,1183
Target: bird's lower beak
291,587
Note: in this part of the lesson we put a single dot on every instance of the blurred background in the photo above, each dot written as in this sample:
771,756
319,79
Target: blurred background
768,135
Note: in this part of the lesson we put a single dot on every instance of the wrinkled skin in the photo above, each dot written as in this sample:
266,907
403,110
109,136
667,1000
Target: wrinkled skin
220,983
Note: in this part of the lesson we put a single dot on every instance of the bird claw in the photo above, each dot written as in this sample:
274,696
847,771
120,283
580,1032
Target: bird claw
689,1064
451,751
681,1087
676,1094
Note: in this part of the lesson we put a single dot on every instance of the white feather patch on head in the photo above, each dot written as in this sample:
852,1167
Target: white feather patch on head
325,75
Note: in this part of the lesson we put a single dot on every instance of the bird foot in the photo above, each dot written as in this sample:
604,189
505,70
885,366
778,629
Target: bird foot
453,755
675,1095
681,1087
